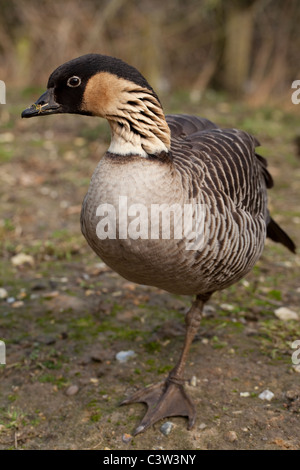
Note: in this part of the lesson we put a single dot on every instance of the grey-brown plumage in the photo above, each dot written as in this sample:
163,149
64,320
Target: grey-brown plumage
215,168
179,161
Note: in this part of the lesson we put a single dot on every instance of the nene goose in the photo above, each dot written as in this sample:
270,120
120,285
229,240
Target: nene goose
178,160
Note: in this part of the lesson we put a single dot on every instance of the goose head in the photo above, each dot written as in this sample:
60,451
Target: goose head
99,85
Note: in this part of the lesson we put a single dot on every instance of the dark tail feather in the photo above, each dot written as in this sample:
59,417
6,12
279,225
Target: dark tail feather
278,235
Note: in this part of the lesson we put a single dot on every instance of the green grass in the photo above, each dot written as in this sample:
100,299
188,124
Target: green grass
6,154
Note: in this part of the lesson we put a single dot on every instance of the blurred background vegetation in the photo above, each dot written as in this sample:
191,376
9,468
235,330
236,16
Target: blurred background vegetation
247,48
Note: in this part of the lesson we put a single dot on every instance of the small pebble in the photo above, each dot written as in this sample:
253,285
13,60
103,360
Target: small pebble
51,295
227,307
64,204
193,381
117,293
202,426
248,331
123,356
244,394
231,436
3,293
72,390
34,296
266,395
296,368
22,258
166,428
126,438
39,286
292,394
17,304
94,380
209,310
10,300
285,314
97,356
22,294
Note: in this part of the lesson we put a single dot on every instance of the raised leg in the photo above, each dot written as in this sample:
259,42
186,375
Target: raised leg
169,398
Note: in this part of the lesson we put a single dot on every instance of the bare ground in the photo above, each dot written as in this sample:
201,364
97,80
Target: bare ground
68,315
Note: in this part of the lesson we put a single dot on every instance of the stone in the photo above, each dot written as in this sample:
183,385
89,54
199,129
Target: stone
286,314
266,395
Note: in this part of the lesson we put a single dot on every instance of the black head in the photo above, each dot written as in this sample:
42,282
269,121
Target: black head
67,85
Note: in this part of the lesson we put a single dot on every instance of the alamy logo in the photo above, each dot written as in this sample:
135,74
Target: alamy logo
2,352
2,92
159,221
296,354
296,94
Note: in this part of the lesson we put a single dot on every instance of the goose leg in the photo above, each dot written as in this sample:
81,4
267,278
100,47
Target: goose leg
169,398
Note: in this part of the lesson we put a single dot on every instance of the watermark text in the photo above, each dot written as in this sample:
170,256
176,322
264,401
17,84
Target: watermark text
2,352
154,222
296,354
296,94
2,92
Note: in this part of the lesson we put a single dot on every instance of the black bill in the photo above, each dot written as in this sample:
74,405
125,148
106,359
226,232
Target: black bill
45,105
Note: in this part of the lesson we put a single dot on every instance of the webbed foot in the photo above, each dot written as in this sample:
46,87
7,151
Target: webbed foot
164,399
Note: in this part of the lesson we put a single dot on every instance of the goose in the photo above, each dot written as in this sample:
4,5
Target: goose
168,163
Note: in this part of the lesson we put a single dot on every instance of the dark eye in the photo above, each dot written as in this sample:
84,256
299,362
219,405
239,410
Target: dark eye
73,81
